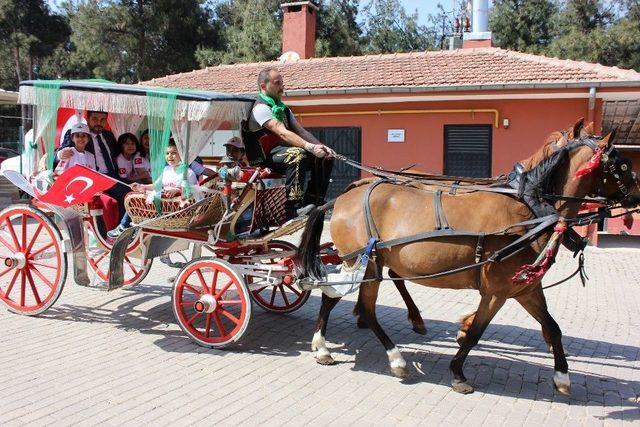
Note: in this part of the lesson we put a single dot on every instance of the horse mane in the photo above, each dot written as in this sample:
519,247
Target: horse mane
554,141
539,179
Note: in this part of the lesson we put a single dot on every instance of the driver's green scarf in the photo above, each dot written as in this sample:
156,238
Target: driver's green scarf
277,107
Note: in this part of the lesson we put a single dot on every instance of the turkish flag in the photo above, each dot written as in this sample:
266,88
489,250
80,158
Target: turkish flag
77,184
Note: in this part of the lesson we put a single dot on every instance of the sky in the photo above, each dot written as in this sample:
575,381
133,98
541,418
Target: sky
425,7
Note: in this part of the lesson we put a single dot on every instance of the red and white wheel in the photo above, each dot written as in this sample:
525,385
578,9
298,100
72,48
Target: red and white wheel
98,257
211,303
282,297
33,265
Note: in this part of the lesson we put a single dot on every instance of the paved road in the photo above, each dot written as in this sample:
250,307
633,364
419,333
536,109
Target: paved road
119,358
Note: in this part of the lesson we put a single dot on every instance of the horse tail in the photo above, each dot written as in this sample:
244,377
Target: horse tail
309,263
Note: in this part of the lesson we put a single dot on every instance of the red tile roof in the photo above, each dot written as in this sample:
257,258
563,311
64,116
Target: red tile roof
435,70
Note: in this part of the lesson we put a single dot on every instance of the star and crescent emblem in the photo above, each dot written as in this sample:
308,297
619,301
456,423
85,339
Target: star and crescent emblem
88,182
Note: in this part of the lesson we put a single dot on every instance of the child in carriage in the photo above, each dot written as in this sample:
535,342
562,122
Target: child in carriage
141,162
171,176
80,138
171,184
126,160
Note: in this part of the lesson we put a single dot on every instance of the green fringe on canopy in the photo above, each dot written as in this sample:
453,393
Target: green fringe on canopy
160,109
47,94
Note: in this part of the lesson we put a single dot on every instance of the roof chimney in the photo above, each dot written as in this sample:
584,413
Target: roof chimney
480,36
299,28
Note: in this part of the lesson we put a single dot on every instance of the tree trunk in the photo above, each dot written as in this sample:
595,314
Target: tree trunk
141,73
16,57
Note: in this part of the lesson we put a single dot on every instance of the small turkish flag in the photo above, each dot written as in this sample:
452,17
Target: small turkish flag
77,184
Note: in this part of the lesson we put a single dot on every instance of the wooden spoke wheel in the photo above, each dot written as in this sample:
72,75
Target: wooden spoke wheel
98,259
211,303
284,296
33,265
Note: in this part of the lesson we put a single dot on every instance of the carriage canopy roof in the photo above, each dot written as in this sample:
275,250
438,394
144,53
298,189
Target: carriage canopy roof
102,95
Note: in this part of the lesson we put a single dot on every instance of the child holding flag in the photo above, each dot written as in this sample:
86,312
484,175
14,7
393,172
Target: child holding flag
80,138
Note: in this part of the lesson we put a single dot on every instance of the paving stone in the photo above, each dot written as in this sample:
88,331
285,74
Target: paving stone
118,358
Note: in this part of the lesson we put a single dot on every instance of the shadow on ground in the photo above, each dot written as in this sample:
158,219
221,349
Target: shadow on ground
147,309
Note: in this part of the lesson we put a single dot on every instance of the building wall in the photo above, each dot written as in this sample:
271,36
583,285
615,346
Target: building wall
530,123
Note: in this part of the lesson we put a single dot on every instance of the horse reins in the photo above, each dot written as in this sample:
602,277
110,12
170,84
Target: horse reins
542,224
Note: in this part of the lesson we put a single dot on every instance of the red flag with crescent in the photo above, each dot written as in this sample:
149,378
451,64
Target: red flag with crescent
78,184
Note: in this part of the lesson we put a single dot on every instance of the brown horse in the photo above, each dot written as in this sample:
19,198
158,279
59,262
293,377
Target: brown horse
402,210
413,313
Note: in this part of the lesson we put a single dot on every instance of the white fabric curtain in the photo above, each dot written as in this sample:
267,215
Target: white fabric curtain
123,123
200,133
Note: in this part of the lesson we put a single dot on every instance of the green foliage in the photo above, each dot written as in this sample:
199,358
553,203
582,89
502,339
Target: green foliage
390,29
250,31
523,25
338,31
133,40
586,30
29,32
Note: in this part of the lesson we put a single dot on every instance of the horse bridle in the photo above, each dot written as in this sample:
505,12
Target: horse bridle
609,169
613,169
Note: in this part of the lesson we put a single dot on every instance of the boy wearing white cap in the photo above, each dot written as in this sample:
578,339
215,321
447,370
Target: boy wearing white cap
80,137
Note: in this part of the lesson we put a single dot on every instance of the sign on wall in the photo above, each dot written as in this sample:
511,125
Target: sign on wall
395,135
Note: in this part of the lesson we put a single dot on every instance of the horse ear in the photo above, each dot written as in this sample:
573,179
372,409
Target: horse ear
588,130
574,130
607,140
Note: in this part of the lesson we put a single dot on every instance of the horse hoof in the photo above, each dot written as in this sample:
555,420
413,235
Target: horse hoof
362,324
461,387
325,360
561,383
400,372
420,329
460,337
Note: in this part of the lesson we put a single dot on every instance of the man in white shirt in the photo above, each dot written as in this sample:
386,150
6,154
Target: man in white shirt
274,138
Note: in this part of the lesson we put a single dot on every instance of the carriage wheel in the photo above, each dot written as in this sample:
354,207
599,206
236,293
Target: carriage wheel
33,266
134,269
283,297
211,302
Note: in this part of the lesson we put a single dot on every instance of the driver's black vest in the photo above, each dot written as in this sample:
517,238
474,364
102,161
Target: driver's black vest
259,143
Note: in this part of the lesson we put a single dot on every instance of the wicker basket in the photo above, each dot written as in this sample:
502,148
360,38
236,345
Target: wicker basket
139,210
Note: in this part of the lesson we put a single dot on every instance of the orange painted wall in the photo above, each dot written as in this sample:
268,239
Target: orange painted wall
530,122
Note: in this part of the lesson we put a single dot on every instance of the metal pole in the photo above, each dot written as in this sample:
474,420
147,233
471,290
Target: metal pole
21,140
34,158
185,154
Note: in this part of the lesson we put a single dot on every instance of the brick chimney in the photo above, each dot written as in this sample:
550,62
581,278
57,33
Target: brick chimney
299,28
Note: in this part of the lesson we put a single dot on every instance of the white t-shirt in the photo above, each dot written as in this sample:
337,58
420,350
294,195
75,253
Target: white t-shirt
142,162
261,114
77,158
125,167
171,178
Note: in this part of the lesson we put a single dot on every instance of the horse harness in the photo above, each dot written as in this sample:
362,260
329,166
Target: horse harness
546,216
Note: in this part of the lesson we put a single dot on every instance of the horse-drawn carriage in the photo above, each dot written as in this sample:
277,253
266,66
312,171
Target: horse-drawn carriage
498,236
236,223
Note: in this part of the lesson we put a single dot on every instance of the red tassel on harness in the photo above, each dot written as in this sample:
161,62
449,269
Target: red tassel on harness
528,273
593,164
